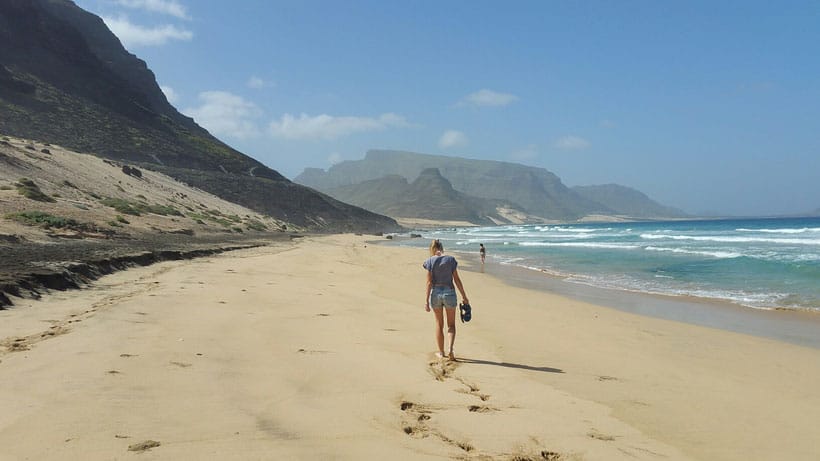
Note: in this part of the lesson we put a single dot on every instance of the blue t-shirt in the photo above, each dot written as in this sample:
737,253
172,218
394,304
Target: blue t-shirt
442,268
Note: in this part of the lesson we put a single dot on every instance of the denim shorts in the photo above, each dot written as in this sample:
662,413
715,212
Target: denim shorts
443,297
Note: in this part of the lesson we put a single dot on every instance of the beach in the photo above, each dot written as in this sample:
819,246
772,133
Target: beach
320,348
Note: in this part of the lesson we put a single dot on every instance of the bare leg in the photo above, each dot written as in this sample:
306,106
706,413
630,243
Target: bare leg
451,330
438,314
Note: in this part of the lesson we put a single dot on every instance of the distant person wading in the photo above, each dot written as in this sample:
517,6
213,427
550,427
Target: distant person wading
442,275
482,251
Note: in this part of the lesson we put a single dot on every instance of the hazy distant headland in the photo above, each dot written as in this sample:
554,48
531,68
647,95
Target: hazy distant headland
407,185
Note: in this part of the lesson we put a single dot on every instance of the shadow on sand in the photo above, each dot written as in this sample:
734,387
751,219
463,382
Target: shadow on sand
511,365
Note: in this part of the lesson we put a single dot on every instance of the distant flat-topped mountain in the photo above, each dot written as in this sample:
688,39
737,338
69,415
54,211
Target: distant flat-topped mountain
429,196
489,190
66,79
627,201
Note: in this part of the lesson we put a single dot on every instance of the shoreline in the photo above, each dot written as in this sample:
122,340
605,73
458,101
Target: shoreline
320,348
794,326
760,263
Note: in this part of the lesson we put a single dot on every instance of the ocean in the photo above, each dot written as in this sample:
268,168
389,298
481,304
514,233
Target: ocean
758,263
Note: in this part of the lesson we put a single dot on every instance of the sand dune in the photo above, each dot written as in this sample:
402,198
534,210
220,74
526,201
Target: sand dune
321,349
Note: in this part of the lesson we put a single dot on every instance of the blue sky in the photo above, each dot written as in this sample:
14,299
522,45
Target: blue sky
707,106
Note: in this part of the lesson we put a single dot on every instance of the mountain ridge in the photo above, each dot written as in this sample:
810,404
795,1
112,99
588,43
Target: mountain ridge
66,79
430,196
627,200
533,193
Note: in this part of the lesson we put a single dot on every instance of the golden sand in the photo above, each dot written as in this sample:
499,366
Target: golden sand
321,349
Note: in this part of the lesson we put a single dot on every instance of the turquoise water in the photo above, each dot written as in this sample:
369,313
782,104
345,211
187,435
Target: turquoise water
760,263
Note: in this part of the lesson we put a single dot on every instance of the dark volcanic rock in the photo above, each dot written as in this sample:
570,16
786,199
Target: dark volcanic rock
29,270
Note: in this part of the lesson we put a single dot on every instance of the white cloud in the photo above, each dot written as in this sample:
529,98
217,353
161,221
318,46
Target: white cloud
331,127
485,98
227,114
169,7
572,143
256,83
170,94
452,138
136,35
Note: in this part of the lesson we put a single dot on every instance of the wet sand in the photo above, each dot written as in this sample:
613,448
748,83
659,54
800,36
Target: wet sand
796,327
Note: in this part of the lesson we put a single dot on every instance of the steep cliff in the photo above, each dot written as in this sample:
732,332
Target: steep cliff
430,196
536,190
66,79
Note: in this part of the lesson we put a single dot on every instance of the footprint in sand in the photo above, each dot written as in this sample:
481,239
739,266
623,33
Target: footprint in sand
593,434
55,330
544,455
481,409
25,343
441,369
18,344
415,425
143,446
310,351
472,389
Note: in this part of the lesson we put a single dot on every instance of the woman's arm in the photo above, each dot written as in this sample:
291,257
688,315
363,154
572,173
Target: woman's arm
460,286
429,289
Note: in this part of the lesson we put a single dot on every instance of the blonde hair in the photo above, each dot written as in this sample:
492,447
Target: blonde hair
435,246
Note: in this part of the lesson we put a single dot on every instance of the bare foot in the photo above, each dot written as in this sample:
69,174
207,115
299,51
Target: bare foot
439,355
452,356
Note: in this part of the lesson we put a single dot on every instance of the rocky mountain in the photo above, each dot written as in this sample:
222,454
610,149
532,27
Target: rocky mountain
627,201
532,193
429,196
66,79
535,190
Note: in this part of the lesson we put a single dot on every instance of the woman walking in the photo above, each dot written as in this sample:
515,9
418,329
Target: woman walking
442,275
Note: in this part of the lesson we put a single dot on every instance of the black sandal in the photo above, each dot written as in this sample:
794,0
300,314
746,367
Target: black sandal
466,312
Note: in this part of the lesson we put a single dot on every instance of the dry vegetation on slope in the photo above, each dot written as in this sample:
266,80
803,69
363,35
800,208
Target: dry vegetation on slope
48,192
67,218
